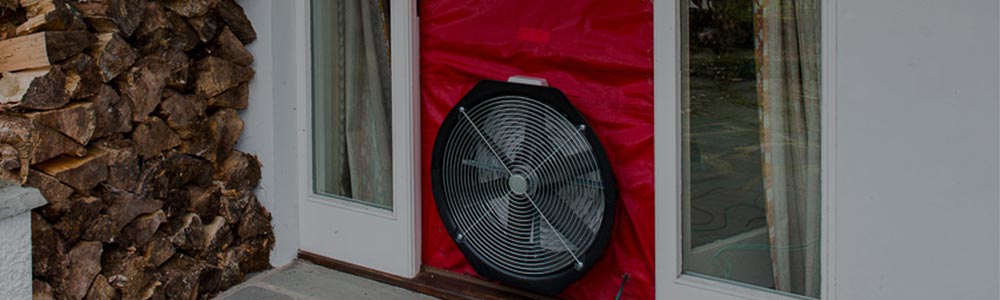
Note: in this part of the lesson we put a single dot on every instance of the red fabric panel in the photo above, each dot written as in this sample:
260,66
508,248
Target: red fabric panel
600,54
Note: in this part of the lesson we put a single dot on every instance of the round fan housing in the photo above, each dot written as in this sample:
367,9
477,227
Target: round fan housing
523,186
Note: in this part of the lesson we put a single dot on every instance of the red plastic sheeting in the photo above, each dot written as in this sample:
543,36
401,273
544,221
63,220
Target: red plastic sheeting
600,54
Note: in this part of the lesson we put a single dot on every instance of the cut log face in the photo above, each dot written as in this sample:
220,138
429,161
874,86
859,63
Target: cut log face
143,86
76,121
180,277
141,231
228,46
53,190
122,16
240,171
83,80
191,8
101,289
83,173
113,114
47,248
41,290
123,163
180,69
184,112
43,88
16,128
236,98
127,272
233,15
54,15
217,75
78,217
84,263
154,137
207,26
112,55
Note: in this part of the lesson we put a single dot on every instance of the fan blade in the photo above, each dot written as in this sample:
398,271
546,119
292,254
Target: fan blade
562,218
501,209
574,165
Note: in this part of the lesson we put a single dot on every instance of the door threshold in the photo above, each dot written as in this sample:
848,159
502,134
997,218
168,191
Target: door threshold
435,282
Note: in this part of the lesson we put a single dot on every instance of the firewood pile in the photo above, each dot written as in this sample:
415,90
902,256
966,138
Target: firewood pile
124,114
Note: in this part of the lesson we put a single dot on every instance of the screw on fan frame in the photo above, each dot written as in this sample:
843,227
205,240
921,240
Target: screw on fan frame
522,185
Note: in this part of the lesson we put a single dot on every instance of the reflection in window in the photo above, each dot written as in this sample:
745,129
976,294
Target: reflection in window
351,100
751,138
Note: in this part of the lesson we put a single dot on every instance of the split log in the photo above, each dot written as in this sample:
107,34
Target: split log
78,218
159,249
184,113
180,277
41,290
216,75
236,98
127,272
53,190
54,15
231,265
203,201
121,16
112,55
114,113
180,69
83,80
76,121
83,173
42,49
55,143
154,137
46,249
125,207
255,221
183,35
101,289
43,88
83,264
141,231
228,46
215,140
143,86
234,16
101,229
191,8
240,171
207,26
123,163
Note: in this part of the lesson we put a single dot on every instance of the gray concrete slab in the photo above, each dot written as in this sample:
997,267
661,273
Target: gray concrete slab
302,280
257,293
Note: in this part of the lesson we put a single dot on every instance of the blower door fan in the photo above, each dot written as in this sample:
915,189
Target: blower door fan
523,186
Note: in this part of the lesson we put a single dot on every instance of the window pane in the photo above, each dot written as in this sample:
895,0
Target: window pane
751,138
351,101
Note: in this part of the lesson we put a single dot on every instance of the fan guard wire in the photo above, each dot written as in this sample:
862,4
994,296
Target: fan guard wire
541,227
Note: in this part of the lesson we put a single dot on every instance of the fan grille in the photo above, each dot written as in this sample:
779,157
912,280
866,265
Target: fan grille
523,185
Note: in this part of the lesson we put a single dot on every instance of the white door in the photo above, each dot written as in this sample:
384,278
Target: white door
741,143
361,186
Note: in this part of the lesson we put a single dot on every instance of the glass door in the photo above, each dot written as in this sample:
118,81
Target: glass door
360,206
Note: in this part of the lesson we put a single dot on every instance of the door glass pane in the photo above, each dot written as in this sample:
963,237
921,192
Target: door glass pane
352,141
751,142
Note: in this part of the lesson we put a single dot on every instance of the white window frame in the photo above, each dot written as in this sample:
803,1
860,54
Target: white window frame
671,282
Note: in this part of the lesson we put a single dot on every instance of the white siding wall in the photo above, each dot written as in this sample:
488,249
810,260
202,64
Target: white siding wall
916,160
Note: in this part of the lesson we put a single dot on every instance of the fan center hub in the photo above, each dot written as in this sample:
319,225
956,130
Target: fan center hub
518,184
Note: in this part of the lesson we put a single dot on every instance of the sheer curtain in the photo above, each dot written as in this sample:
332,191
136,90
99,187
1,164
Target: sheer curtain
353,100
787,52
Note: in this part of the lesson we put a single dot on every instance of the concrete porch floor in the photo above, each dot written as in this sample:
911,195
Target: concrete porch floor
303,280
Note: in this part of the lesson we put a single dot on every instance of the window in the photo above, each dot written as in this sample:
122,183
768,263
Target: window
352,141
751,142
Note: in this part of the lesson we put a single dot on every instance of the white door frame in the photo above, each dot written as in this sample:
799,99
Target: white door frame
671,283
387,241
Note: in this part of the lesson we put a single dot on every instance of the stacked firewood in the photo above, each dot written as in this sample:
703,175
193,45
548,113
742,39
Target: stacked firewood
124,114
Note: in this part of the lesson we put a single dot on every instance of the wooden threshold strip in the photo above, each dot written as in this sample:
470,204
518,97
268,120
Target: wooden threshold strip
439,283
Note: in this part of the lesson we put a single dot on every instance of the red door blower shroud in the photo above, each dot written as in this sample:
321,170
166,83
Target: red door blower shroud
600,54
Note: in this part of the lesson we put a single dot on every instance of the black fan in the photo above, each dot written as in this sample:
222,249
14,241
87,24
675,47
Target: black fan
523,186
